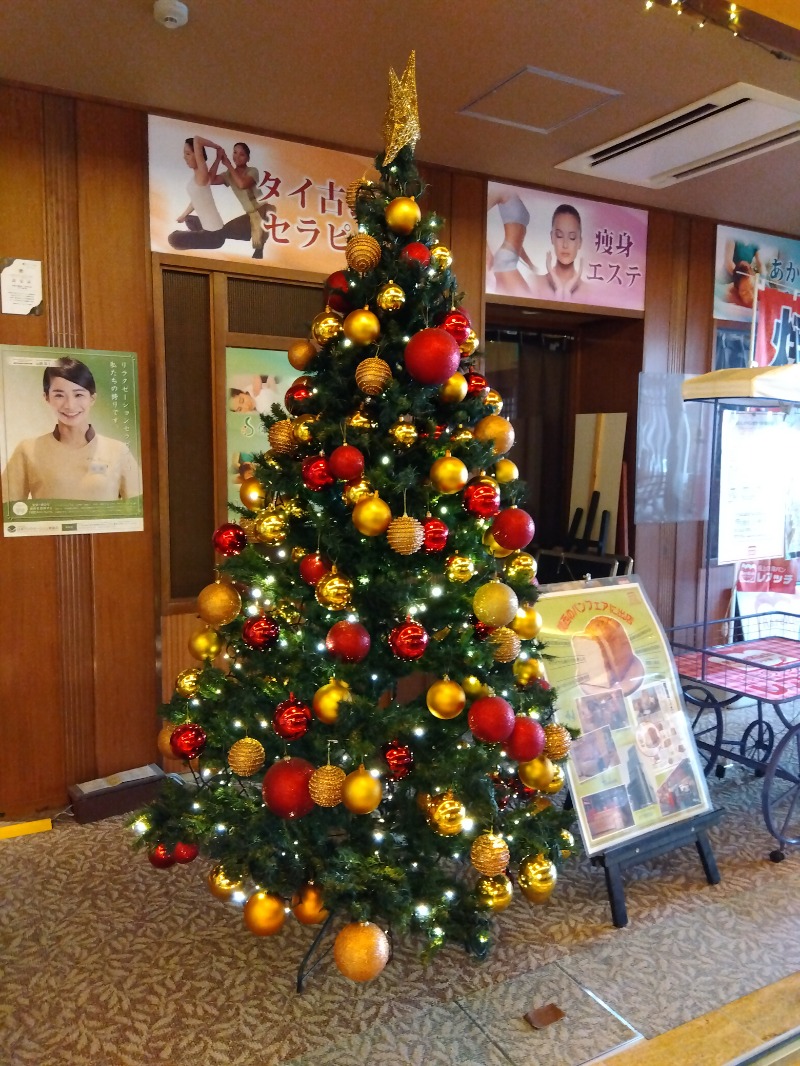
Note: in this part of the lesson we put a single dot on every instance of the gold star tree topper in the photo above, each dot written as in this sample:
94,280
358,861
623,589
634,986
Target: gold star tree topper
401,125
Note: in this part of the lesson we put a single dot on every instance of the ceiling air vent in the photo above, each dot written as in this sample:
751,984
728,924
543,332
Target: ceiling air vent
727,127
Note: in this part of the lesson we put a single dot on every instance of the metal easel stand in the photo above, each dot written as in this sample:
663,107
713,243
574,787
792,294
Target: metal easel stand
306,966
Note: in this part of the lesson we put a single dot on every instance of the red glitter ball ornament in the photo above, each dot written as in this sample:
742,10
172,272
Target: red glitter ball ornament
315,472
476,384
184,853
527,739
229,539
435,534
313,567
346,463
285,788
260,632
348,641
399,758
187,740
432,356
457,324
482,497
161,857
416,252
298,395
292,718
408,640
513,528
491,719
337,301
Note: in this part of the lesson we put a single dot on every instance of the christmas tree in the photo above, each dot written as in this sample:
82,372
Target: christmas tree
378,749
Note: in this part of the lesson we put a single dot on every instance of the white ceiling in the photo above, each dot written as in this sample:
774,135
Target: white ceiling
318,70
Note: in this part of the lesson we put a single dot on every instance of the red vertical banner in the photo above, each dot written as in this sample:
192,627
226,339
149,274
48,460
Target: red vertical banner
777,341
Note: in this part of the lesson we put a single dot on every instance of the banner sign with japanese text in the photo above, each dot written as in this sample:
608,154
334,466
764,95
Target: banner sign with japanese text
224,194
634,767
554,248
70,447
745,259
777,340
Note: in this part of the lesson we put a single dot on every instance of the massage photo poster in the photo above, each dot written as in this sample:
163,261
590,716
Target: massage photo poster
70,442
634,768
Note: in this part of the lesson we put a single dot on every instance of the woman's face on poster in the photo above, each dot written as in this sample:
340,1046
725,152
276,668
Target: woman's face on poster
70,402
566,238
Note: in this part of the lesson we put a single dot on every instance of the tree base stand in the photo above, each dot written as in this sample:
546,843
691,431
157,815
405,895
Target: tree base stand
306,965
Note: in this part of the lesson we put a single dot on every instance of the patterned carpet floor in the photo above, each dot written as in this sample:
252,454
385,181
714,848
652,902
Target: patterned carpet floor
107,961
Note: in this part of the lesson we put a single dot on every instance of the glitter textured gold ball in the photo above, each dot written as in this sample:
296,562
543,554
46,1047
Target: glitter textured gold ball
281,437
495,603
372,376
489,854
246,756
557,741
361,950
325,785
405,535
495,430
506,644
362,252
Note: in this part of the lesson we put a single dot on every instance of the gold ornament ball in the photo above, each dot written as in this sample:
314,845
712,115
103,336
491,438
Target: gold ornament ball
405,535
301,353
506,644
298,553
536,773
205,643
248,526
537,878
271,526
246,756
495,603
325,704
441,257
354,190
497,551
528,671
372,377
474,687
220,885
325,785
489,854
449,474
556,782
361,792
470,345
403,433
494,400
527,622
264,914
360,419
446,814
402,214
289,611
334,591
355,491
557,741
522,567
281,437
494,893
495,430
308,906
459,568
506,470
162,740
361,951
303,428
251,493
362,327
391,297
567,843
446,699
292,507
325,326
371,516
454,389
362,252
186,683
461,434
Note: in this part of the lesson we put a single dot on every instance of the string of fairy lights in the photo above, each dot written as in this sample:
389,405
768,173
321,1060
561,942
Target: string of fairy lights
731,21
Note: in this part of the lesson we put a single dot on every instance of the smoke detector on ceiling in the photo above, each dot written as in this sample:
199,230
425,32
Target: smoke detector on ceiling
171,14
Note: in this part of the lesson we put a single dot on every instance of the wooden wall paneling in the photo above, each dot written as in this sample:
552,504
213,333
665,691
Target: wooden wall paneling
468,243
32,737
112,170
439,198
219,341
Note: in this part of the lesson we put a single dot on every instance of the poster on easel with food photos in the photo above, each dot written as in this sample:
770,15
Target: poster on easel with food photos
634,766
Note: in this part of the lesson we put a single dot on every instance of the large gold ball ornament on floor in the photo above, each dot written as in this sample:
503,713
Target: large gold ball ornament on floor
557,741
522,567
334,591
391,297
454,389
446,814
301,353
325,326
459,568
506,644
325,786
361,792
536,773
246,756
163,738
325,704
308,907
403,433
505,471
281,437
405,535
441,257
449,474
205,643
220,885
362,327
186,683
489,854
494,893
446,699
271,526
556,782
402,214
537,878
371,516
527,622
495,430
528,671
361,950
264,914
251,493
495,603
372,377
362,252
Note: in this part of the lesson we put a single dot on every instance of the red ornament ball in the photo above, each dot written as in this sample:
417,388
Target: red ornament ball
477,384
188,740
416,252
298,395
346,463
285,788
292,718
399,758
348,641
184,853
315,472
435,534
432,356
313,567
513,528
229,539
491,719
527,739
482,497
337,301
161,857
457,324
482,630
408,640
260,632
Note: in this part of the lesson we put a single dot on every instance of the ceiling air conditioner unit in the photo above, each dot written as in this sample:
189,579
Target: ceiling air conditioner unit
727,127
